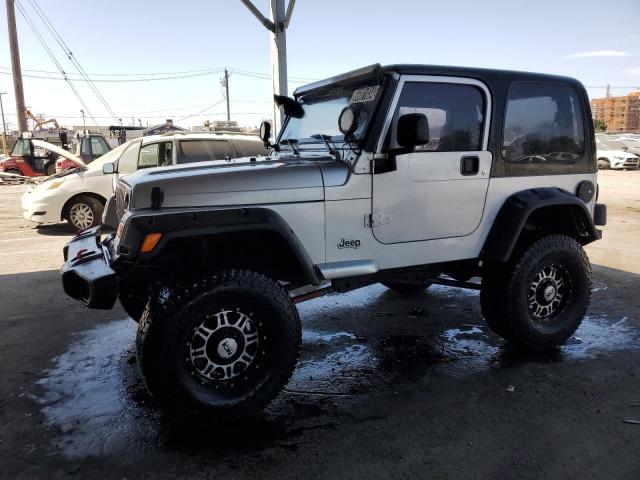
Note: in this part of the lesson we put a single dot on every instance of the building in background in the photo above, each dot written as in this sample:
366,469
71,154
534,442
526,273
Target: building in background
165,127
619,114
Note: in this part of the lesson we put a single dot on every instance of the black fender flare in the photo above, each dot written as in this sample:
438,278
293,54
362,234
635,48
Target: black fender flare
199,222
517,209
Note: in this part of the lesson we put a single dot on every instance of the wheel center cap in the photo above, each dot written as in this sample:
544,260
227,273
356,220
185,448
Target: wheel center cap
549,293
227,347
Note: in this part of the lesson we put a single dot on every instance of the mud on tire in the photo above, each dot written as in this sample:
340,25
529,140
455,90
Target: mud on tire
220,347
541,301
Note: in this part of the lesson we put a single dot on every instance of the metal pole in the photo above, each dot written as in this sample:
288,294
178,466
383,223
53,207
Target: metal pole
5,151
278,58
15,66
226,87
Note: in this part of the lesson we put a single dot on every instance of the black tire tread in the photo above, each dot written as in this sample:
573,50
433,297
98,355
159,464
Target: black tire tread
521,332
164,315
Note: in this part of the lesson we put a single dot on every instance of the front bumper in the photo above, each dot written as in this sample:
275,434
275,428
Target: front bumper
86,274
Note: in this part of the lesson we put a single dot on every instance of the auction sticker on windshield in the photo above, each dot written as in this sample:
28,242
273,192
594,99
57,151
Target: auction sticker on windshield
365,94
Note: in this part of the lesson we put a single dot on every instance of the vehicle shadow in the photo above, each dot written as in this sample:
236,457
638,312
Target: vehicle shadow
56,229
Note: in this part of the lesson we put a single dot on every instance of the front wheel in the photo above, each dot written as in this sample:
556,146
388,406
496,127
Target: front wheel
84,212
220,347
544,296
604,164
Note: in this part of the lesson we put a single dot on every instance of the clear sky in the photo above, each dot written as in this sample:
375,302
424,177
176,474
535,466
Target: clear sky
597,42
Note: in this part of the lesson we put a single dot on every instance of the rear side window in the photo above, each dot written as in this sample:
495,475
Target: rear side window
543,124
455,113
203,150
249,148
155,154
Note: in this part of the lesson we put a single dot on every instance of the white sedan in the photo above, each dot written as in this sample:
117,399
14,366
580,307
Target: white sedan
616,159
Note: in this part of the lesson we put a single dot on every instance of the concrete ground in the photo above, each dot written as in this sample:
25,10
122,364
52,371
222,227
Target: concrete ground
387,386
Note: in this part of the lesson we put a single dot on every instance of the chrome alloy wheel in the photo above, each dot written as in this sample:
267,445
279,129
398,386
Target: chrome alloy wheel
223,346
81,215
547,293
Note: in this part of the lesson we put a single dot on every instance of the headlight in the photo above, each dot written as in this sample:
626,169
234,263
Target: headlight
618,158
55,183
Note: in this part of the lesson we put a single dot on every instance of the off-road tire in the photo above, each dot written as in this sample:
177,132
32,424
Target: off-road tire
93,204
512,312
171,321
13,171
407,288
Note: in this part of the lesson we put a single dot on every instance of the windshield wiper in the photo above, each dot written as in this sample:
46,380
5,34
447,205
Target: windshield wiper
326,139
291,141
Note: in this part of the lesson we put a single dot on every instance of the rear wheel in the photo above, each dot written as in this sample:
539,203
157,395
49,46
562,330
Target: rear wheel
84,212
541,301
407,288
13,171
218,348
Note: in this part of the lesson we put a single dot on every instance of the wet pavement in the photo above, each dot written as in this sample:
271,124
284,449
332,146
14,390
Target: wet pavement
93,396
387,386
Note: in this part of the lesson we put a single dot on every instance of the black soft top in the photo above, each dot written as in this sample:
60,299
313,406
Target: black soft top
491,77
478,73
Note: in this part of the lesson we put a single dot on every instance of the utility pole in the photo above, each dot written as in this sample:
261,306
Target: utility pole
225,84
277,25
5,151
15,66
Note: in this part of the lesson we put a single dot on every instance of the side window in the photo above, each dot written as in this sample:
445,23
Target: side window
128,161
455,113
85,147
249,148
22,148
98,147
155,154
543,124
203,150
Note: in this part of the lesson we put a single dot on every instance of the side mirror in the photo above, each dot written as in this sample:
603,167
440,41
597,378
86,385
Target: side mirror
108,168
413,130
265,133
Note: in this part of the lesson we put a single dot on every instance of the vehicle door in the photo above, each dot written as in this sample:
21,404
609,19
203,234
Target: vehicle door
438,189
203,150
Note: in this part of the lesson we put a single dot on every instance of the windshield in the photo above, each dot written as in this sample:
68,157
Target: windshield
111,156
321,113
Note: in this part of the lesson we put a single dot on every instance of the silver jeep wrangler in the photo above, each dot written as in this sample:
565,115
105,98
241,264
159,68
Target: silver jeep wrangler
407,175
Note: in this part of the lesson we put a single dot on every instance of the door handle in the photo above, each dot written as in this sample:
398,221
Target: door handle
469,165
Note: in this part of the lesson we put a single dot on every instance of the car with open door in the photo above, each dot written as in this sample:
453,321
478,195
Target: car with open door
29,160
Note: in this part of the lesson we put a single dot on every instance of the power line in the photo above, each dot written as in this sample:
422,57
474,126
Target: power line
54,59
51,76
65,48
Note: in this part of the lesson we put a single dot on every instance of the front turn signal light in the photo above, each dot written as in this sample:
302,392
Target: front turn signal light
150,242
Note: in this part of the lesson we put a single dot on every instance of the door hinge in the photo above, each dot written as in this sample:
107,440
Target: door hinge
376,219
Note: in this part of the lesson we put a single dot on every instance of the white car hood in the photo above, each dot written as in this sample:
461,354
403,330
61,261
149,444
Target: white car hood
616,153
57,150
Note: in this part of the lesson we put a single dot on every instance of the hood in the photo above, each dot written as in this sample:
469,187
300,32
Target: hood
57,150
243,181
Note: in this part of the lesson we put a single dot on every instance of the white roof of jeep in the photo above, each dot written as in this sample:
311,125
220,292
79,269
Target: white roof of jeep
198,136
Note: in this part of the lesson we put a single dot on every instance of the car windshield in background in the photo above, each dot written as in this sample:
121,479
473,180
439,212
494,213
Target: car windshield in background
321,113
